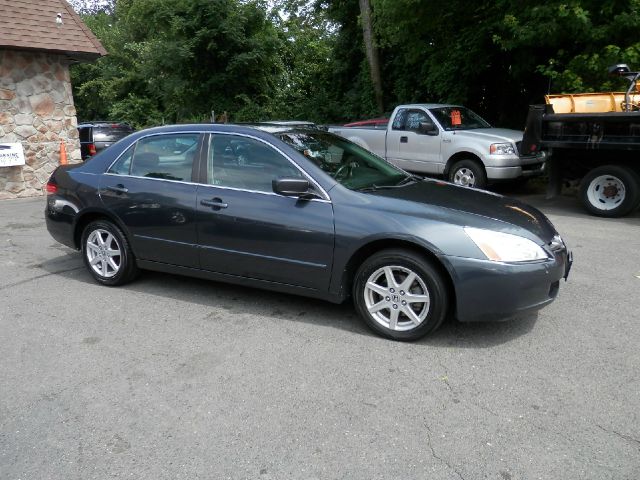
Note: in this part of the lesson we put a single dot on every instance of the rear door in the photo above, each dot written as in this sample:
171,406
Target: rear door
410,149
150,189
246,230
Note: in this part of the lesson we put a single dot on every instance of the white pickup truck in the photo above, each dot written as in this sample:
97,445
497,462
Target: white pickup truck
447,140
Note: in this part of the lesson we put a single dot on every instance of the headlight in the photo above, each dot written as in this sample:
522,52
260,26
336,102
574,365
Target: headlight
504,247
502,149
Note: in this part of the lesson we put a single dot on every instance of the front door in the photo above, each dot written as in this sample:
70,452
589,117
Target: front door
410,149
150,190
245,229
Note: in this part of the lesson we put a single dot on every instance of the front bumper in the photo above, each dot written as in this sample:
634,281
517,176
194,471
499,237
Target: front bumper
493,291
515,167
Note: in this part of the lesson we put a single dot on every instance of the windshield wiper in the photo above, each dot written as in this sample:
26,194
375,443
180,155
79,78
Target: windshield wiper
410,179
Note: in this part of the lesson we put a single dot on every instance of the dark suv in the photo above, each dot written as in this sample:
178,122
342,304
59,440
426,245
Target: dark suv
98,135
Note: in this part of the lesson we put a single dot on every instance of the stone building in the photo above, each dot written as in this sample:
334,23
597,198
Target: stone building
39,39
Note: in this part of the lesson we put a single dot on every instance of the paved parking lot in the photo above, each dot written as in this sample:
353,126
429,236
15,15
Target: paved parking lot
171,377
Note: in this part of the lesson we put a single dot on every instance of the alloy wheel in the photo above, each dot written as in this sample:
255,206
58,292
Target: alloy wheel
397,298
103,253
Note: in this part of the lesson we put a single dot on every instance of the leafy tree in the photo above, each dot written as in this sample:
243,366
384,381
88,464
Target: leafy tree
179,60
176,60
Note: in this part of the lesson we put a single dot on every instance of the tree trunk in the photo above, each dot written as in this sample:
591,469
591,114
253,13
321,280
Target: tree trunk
372,52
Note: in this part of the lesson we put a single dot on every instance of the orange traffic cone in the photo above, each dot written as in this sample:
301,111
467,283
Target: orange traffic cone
63,153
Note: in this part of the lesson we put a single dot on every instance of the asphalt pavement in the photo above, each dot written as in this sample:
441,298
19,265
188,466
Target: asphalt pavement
172,377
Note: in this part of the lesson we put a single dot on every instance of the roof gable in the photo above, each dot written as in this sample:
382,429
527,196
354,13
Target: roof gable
31,24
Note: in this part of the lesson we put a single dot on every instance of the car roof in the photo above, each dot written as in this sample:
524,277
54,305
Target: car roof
104,123
261,131
429,105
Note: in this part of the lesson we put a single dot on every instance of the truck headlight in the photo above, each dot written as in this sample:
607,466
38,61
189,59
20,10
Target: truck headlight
502,149
504,247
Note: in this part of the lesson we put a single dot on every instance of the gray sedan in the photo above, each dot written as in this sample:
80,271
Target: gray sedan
303,211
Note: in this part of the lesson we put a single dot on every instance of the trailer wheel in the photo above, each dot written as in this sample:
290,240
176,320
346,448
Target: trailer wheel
610,191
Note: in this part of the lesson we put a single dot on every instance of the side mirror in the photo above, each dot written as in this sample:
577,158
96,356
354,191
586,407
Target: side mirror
428,128
292,187
619,70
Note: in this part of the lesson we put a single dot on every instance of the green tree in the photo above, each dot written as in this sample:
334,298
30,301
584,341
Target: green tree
177,60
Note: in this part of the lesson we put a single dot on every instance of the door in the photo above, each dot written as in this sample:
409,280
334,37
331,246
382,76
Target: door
150,190
410,149
245,229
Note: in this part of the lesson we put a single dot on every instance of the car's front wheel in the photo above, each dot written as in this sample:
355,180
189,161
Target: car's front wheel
468,173
107,254
400,294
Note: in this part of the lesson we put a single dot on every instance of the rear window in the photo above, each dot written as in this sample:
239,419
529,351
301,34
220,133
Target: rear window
110,134
85,134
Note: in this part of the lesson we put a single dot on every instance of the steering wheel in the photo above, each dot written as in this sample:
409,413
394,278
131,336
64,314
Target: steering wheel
345,171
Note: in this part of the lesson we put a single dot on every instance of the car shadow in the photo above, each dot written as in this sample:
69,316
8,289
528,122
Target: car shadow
241,300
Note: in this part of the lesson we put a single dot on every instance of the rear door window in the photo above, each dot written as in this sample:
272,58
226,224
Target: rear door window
170,157
123,165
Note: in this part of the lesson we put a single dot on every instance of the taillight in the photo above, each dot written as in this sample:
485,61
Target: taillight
51,188
92,149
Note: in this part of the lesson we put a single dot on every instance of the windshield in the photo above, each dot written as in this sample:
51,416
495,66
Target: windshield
458,118
351,165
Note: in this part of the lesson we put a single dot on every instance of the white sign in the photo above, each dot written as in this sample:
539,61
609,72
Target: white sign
11,154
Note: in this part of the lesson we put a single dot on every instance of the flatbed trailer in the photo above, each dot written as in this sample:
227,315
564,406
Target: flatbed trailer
601,150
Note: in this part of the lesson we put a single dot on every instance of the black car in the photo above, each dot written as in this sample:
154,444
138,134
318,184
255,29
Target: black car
96,136
307,212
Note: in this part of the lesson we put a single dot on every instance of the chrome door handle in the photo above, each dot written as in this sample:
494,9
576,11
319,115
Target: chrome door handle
215,203
118,188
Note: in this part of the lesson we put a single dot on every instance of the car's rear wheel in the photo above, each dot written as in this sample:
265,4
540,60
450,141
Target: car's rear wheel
400,295
468,173
107,254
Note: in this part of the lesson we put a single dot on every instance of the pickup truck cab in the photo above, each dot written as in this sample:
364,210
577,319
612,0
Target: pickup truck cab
447,140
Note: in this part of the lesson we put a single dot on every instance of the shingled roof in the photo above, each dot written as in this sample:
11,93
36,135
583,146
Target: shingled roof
31,25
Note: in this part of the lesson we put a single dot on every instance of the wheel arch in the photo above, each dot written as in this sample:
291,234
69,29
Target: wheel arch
88,216
463,155
365,251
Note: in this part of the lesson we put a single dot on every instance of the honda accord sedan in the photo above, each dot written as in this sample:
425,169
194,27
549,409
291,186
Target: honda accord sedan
302,211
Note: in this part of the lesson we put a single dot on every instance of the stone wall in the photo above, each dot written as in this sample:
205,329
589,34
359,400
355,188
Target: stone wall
36,109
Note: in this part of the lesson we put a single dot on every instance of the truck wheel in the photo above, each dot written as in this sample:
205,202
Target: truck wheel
468,173
610,191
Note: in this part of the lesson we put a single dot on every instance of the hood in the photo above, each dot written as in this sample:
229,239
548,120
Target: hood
470,207
494,135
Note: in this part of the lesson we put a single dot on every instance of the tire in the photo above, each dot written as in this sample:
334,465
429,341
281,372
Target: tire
468,173
610,191
107,254
413,319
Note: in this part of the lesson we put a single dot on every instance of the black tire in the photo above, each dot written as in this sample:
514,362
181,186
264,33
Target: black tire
428,277
610,191
468,173
100,241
